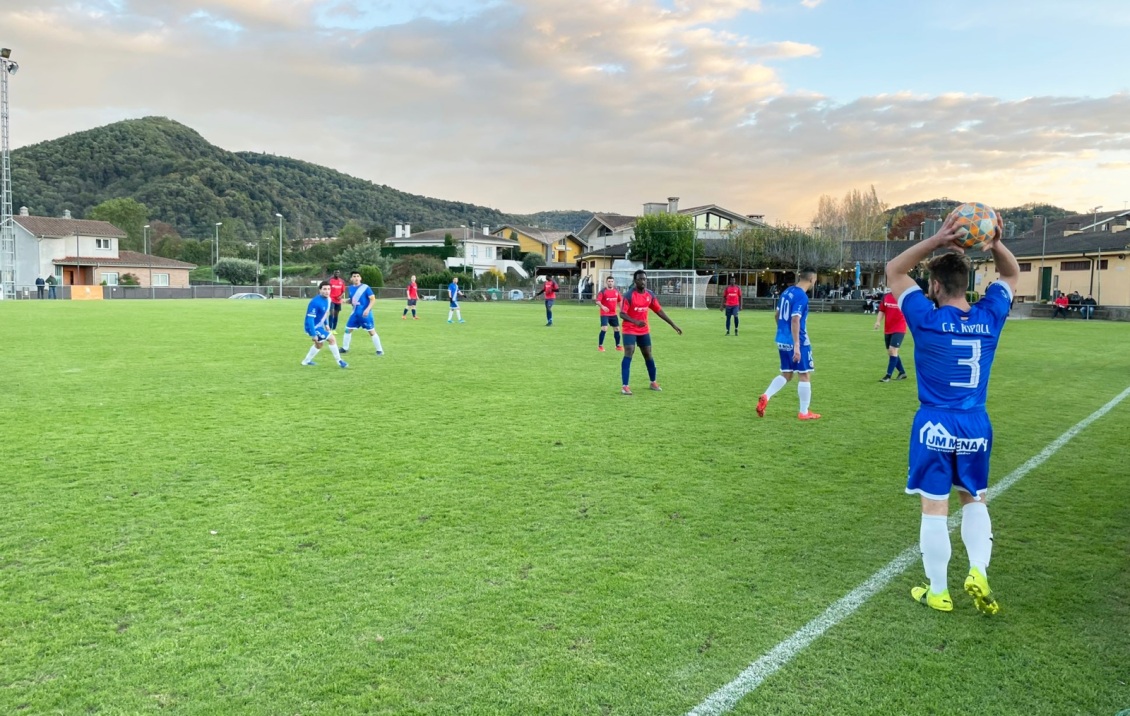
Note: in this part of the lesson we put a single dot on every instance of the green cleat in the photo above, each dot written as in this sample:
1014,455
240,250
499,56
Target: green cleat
923,595
977,586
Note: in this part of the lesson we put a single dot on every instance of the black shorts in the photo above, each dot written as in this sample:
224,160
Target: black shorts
335,308
893,340
613,321
411,302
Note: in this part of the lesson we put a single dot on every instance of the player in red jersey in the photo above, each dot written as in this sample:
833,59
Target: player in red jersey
634,312
894,330
337,290
609,301
549,288
732,304
413,296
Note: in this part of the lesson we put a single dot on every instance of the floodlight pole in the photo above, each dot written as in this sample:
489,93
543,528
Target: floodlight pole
149,256
7,223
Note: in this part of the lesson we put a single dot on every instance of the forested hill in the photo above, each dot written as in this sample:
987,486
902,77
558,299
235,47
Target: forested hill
191,184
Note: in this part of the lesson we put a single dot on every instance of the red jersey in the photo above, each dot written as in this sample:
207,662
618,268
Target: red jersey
609,300
550,290
337,289
413,292
893,320
732,296
636,306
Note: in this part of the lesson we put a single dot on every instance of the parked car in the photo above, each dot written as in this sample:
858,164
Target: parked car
251,296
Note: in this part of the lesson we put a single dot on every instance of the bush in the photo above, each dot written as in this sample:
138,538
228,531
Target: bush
372,276
240,272
414,265
301,270
128,279
442,279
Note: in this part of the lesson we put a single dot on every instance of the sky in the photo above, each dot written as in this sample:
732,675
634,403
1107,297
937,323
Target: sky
758,106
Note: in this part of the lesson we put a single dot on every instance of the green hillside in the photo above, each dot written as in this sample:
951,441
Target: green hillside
191,184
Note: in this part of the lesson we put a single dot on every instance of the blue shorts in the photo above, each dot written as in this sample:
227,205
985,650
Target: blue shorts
732,310
549,303
805,364
454,304
356,320
319,334
949,449
411,302
893,340
643,341
613,321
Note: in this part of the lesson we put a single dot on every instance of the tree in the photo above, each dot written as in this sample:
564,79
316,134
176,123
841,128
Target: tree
665,241
414,265
195,252
240,272
351,235
360,255
371,275
531,261
126,214
129,279
861,216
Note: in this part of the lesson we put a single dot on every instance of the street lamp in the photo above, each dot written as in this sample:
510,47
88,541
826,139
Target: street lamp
145,246
280,253
218,225
1095,220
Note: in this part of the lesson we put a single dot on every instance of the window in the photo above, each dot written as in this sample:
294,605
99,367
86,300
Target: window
110,279
489,252
103,244
1026,267
160,279
1080,265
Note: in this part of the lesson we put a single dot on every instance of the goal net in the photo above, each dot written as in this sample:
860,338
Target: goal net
678,289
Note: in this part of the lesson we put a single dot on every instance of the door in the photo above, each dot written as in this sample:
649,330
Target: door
1045,283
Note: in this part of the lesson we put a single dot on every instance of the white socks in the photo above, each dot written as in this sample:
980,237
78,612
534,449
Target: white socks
310,354
778,383
334,351
934,541
377,343
346,339
977,534
804,391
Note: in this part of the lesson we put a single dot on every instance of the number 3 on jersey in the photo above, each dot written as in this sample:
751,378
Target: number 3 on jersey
973,362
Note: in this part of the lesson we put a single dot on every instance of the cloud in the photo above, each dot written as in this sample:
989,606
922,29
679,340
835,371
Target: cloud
539,104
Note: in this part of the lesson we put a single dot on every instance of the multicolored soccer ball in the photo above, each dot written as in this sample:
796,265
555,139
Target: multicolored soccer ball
978,223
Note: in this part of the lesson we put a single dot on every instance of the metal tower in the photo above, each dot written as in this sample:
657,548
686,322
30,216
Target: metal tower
7,225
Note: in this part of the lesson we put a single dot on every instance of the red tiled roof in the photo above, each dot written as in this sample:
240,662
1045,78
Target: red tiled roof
126,259
52,228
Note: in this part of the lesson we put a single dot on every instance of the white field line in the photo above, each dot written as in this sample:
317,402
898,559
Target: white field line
756,673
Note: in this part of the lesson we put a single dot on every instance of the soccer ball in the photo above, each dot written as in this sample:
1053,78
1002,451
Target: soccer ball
979,225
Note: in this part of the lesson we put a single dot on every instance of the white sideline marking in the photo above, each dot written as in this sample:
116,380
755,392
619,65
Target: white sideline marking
756,673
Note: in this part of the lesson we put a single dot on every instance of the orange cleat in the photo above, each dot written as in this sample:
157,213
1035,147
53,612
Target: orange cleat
761,403
600,348
808,416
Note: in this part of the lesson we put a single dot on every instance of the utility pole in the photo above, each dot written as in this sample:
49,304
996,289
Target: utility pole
8,66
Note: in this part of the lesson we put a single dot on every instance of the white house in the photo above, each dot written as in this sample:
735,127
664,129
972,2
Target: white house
710,222
480,251
80,252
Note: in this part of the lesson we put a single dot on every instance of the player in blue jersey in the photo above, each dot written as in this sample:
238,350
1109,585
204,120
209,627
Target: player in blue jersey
453,308
317,325
793,346
363,300
951,437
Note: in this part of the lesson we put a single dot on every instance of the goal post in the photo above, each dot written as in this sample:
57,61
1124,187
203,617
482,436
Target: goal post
674,289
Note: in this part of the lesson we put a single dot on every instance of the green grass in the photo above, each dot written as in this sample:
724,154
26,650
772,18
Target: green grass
477,523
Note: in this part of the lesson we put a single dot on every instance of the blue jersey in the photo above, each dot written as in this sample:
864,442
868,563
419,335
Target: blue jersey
359,297
793,302
453,290
316,312
954,349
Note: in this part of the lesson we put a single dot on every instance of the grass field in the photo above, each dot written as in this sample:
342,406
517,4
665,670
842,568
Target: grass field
477,523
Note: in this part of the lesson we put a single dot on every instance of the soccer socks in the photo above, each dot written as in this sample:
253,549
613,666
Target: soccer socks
549,315
413,313
377,343
346,339
728,322
616,336
450,314
601,341
898,366
892,363
977,534
406,313
334,351
934,541
778,383
458,316
804,392
310,354
625,370
650,363
333,322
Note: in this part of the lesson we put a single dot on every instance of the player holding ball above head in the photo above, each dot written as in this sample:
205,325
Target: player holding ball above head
634,313
951,438
793,346
317,317
609,301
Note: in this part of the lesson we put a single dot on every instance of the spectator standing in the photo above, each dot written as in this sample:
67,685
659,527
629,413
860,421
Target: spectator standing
39,285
